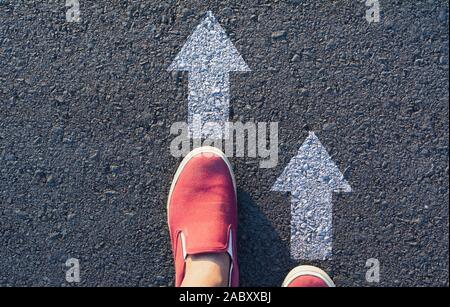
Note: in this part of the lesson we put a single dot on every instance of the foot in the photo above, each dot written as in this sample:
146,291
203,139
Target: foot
307,276
202,217
207,270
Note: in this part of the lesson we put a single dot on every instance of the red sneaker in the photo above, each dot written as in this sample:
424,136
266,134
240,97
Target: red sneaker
202,210
307,276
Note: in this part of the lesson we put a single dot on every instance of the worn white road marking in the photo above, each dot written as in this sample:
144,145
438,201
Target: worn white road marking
311,177
209,56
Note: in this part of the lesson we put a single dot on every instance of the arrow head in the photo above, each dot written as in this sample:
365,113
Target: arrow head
311,167
209,49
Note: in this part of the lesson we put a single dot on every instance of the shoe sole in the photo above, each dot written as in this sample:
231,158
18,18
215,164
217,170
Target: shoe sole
303,270
185,161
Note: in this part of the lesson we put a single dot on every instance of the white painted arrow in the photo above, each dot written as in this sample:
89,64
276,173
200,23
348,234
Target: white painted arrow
311,177
209,56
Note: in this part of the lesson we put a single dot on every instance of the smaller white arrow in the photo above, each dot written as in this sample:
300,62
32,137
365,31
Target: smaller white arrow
209,56
311,177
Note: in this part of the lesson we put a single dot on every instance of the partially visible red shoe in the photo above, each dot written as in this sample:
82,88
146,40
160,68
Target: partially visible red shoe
308,276
202,210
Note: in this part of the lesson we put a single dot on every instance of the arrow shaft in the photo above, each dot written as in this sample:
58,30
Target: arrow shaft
311,176
311,225
209,101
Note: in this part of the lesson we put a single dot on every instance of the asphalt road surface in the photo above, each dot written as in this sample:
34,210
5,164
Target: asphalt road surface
86,111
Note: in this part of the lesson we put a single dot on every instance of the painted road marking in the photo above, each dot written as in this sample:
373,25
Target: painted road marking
209,56
311,177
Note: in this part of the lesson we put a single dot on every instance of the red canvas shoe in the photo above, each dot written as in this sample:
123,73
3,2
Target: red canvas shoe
202,210
308,276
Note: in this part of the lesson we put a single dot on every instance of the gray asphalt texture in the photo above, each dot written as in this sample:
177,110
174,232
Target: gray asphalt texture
86,108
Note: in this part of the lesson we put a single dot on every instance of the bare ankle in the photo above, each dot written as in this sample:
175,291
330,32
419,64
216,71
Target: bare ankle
207,270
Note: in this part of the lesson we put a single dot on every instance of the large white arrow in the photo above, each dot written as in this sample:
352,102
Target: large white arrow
311,177
209,56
